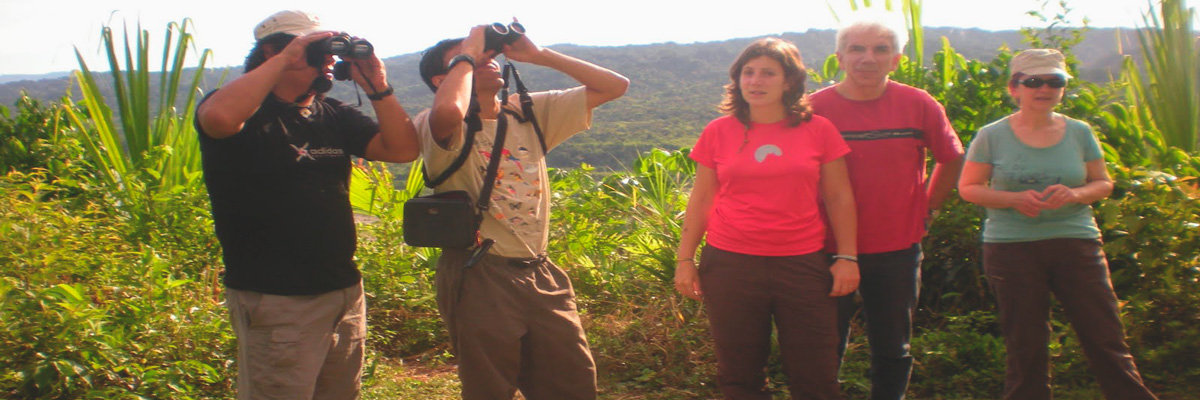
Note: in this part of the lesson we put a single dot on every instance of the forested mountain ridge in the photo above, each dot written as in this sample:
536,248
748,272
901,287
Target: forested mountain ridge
675,87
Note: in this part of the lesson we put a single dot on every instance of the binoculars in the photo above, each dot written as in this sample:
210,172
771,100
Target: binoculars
498,35
342,45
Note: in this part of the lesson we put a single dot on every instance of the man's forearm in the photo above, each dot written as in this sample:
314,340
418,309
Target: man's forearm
602,83
942,181
397,139
223,113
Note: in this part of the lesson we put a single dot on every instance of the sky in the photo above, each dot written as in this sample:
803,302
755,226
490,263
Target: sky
44,34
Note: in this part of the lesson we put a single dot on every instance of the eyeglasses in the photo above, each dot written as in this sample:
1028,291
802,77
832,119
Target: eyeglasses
1035,82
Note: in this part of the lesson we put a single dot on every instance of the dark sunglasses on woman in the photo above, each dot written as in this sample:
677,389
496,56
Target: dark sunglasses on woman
1035,82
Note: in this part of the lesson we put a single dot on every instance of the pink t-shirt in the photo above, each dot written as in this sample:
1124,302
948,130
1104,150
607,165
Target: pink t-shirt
768,181
889,137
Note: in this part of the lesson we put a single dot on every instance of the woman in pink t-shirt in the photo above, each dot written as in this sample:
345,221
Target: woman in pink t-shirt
762,170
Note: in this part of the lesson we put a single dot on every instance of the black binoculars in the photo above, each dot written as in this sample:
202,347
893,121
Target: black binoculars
498,35
342,45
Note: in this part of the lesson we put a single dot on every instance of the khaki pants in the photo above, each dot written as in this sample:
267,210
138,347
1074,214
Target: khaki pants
299,347
514,326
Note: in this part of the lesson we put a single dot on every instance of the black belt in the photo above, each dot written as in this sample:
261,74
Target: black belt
477,254
526,262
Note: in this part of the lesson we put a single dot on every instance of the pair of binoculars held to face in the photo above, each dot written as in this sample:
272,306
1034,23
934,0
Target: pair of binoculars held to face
342,45
497,35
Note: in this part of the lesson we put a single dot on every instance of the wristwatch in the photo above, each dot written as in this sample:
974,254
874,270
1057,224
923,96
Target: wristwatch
382,95
460,58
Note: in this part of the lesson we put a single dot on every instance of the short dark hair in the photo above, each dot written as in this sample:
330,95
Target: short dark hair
433,61
258,55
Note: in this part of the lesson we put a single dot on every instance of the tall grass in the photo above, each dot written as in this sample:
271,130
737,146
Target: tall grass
1171,91
150,149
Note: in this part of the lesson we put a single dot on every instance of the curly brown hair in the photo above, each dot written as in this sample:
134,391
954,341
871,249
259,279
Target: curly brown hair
794,99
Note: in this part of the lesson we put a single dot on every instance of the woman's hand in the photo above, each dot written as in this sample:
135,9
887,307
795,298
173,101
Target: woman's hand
687,279
1057,195
845,277
1028,203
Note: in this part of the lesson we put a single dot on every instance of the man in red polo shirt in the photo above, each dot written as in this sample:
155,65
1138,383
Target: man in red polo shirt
889,127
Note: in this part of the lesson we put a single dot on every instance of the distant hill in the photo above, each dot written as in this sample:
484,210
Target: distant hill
31,77
674,90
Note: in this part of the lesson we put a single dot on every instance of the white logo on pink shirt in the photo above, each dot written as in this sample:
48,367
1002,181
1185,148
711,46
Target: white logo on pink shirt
768,149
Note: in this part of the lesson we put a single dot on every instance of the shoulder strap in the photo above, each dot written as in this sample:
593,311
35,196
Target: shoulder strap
493,169
473,125
527,106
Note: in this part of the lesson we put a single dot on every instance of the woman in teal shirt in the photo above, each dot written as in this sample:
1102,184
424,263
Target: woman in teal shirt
1037,172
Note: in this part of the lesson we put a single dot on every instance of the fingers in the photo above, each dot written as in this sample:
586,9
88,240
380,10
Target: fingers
687,280
1029,203
473,44
689,289
845,278
1056,196
369,73
303,41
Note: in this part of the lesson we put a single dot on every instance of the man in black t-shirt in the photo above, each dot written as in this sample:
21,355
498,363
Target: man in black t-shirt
276,158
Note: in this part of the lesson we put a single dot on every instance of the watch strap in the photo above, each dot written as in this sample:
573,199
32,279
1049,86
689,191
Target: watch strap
381,95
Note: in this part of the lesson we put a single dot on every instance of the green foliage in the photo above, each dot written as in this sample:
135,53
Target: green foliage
1171,92
147,155
31,137
966,339
1057,31
1152,233
88,313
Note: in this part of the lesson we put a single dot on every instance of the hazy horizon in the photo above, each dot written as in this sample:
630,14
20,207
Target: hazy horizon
616,23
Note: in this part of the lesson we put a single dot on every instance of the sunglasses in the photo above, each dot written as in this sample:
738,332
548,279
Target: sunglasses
1035,82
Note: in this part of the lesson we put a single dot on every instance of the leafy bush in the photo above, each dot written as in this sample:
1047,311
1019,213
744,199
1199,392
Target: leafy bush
31,137
1152,235
88,313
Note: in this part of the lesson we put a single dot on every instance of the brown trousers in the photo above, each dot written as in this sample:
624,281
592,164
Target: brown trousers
744,294
514,326
1023,275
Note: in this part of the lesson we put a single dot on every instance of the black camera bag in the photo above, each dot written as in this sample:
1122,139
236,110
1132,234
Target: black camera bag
444,220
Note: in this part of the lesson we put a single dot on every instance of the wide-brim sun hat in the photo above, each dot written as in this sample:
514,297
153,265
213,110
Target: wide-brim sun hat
292,22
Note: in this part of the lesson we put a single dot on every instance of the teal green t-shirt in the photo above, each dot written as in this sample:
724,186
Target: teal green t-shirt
1018,167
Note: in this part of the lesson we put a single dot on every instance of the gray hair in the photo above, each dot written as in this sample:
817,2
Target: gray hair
872,25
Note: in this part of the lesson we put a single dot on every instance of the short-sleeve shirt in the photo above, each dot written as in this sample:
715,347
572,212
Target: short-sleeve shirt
1018,167
280,196
768,178
888,138
519,217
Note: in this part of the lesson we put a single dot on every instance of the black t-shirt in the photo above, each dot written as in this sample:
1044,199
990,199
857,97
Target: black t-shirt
280,196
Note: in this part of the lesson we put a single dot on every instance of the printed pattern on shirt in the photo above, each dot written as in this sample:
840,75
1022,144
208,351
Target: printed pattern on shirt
517,187
906,133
